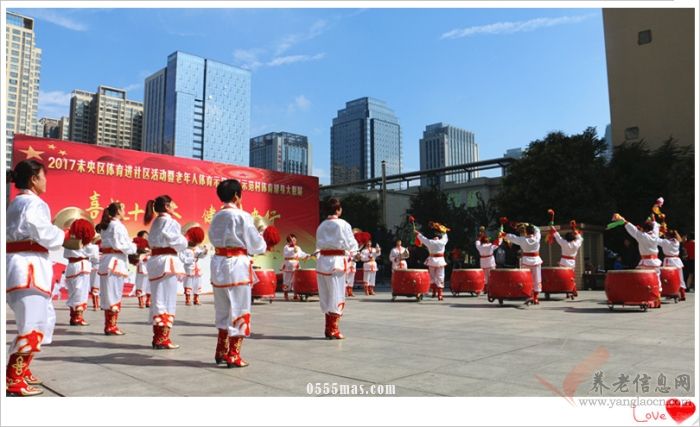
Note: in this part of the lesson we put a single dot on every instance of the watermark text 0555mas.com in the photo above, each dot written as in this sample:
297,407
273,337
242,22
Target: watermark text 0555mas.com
336,389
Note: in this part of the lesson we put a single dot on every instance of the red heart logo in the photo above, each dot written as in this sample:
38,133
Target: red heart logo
680,412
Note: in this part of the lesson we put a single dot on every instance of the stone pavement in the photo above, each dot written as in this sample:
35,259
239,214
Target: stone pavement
463,346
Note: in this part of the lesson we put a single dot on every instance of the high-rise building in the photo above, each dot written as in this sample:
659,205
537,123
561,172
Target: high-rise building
106,118
514,153
54,128
282,152
651,74
365,133
198,108
21,78
445,145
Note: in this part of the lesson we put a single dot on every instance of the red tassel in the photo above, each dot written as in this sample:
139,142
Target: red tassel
271,236
196,235
550,235
141,243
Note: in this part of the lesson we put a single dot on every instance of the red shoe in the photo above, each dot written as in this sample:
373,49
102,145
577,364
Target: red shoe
76,317
16,384
188,297
333,329
142,301
221,347
233,358
535,299
682,294
29,378
286,295
439,294
371,290
434,289
148,300
350,294
111,327
161,338
195,300
366,289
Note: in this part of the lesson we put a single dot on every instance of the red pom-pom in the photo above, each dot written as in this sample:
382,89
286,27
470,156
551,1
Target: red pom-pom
362,237
195,235
271,236
503,220
411,219
417,242
141,244
82,229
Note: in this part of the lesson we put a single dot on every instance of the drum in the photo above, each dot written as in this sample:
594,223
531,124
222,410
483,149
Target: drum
409,283
266,285
305,284
359,277
467,280
559,280
510,283
280,282
632,287
670,283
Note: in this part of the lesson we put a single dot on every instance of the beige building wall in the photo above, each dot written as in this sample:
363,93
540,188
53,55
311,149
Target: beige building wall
650,59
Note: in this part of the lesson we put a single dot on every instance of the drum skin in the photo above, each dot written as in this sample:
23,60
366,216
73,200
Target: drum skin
558,280
467,280
510,283
670,282
410,282
632,287
305,281
267,284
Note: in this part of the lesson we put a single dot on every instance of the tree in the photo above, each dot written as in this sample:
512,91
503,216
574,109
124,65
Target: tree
360,211
566,173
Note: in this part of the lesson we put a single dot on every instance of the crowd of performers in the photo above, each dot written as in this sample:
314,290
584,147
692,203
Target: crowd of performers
166,255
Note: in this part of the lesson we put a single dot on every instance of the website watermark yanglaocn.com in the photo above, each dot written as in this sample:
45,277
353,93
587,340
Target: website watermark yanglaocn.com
336,389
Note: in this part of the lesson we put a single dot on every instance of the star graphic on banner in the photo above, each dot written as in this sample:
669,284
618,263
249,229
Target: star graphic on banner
52,147
62,152
32,153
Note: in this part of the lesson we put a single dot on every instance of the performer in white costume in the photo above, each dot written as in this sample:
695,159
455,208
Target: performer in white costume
369,256
190,257
79,268
529,242
398,257
436,259
292,254
671,246
30,236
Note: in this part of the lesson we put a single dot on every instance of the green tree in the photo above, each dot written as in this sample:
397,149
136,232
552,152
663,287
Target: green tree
360,211
567,173
435,205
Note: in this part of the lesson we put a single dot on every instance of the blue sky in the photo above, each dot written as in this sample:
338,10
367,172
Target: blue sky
508,75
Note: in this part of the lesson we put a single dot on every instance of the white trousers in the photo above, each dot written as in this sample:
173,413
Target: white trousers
487,272
536,271
350,279
288,281
232,309
142,284
111,287
163,296
94,282
31,309
437,276
78,290
331,292
369,277
194,283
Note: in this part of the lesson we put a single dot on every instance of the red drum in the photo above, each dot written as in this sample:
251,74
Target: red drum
467,280
359,276
266,285
305,284
409,283
510,283
280,282
632,287
670,283
559,280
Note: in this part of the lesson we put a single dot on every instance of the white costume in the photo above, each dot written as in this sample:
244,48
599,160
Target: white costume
398,257
29,269
486,258
193,279
352,269
531,260
114,264
236,239
292,254
648,243
78,275
94,277
568,249
165,270
142,285
334,240
436,260
671,248
368,257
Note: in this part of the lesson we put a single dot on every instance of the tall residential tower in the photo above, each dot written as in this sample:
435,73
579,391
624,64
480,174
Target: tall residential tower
282,152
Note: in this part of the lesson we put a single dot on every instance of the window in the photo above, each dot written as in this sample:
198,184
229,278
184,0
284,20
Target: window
644,37
632,133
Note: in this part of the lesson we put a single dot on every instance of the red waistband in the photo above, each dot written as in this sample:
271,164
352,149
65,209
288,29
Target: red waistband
292,259
76,259
652,256
568,257
332,252
24,246
437,255
486,256
531,254
110,251
163,251
230,252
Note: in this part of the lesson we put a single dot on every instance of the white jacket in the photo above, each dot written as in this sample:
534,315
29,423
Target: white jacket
334,234
436,249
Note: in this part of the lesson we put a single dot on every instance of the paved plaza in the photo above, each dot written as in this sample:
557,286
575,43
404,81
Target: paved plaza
462,346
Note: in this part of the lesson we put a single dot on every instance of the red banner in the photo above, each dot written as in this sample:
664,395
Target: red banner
90,177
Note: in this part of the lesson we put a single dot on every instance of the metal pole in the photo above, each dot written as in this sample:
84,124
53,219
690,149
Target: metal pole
384,192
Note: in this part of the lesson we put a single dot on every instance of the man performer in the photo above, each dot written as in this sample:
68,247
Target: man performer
334,242
235,239
529,242
292,254
436,259
398,257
